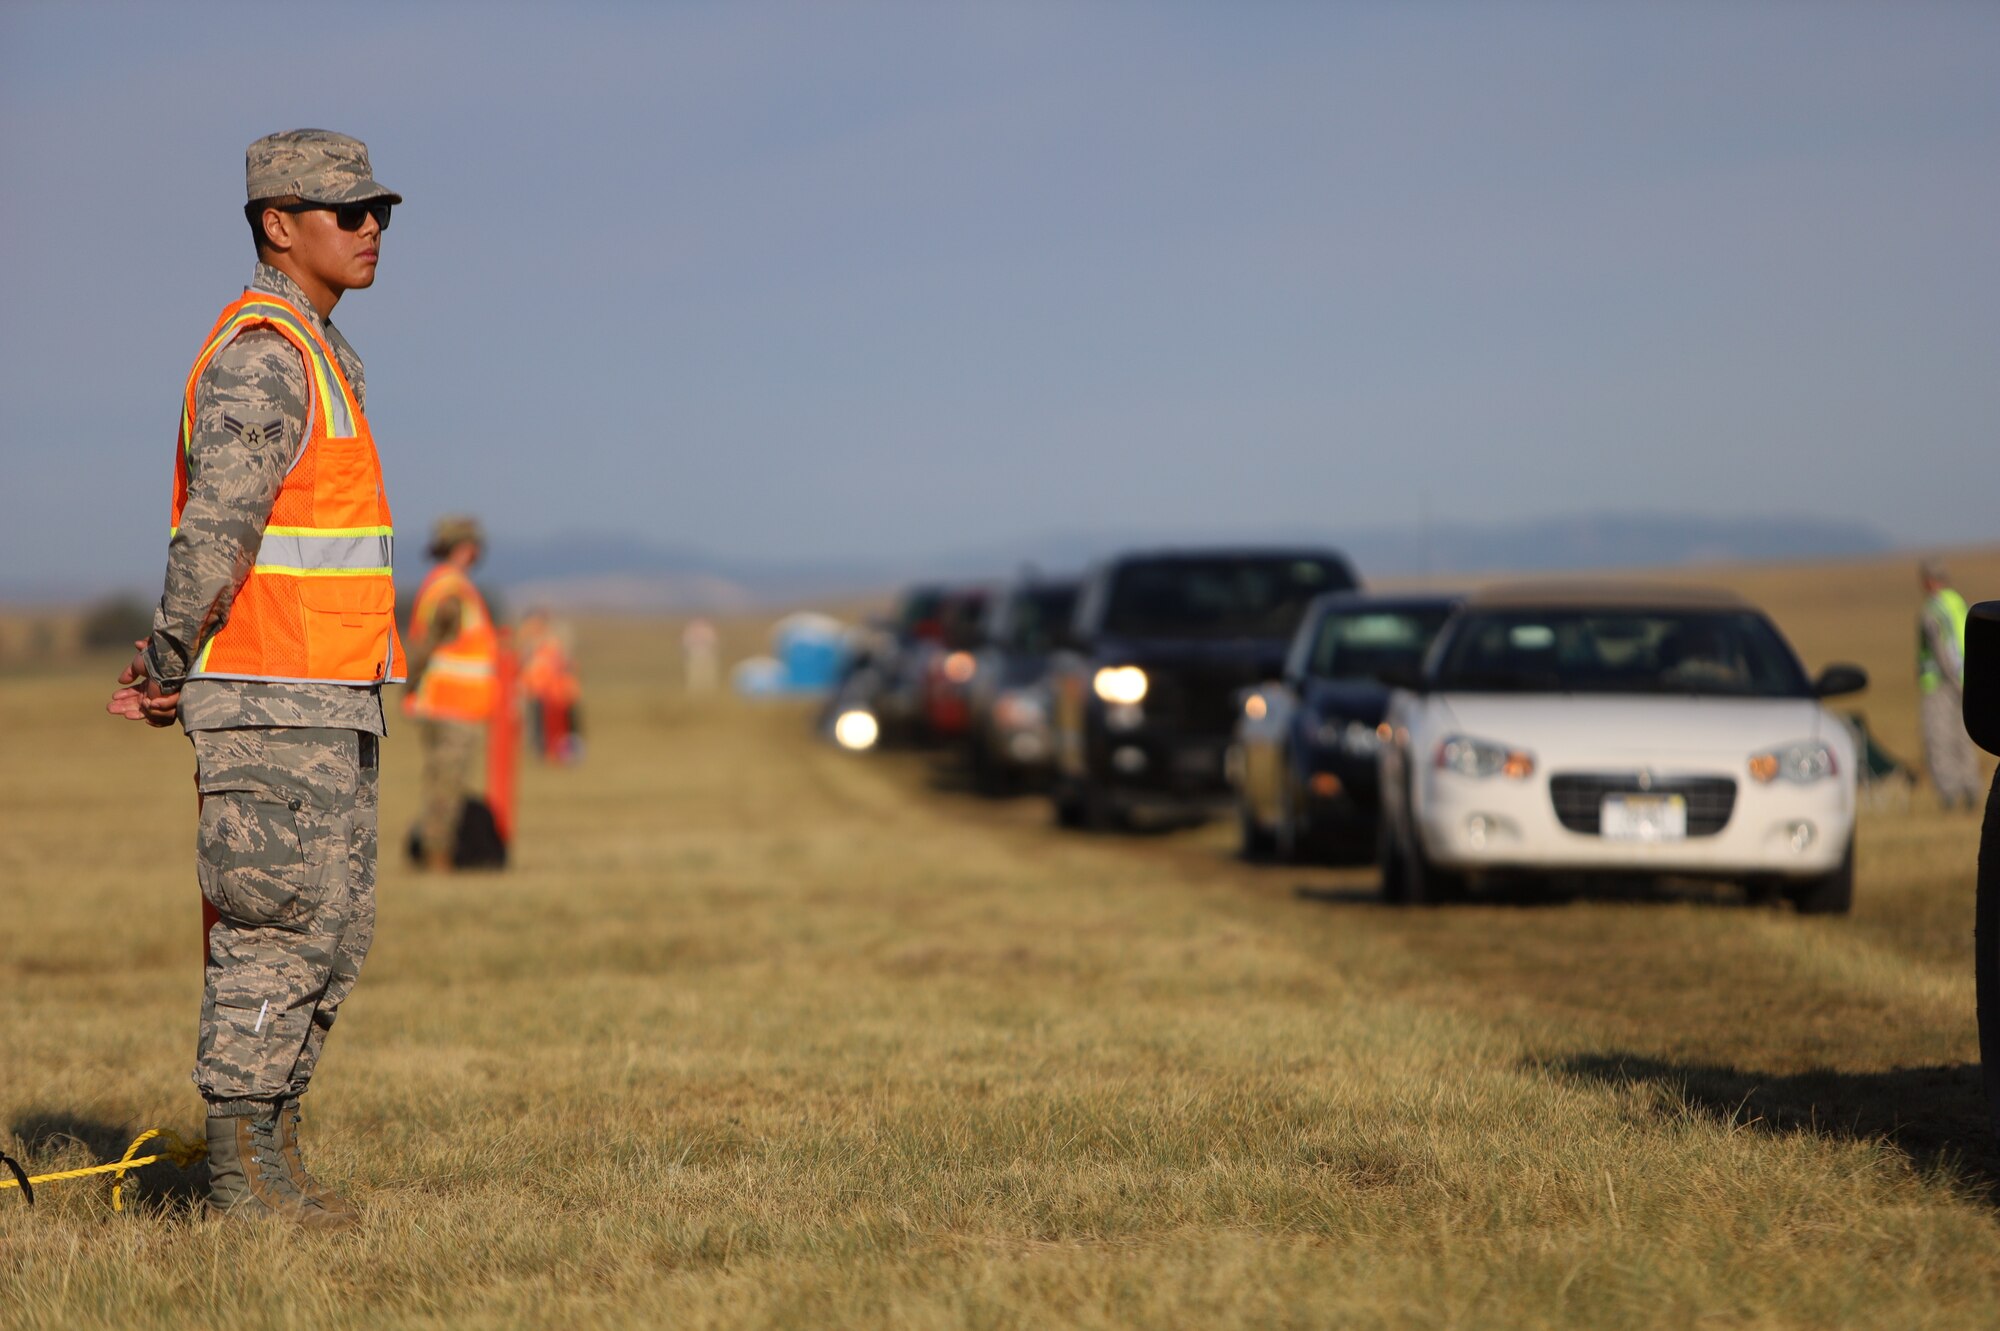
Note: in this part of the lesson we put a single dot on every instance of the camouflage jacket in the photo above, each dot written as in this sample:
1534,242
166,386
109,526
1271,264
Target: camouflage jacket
249,425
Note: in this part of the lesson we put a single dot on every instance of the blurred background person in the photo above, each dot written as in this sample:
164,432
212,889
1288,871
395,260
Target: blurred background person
698,651
550,686
454,685
1948,753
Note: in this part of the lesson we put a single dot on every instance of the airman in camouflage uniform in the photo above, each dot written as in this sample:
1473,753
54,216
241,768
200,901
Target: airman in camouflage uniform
287,773
452,748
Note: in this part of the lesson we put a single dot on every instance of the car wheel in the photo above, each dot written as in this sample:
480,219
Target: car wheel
1408,877
989,777
1253,843
1087,806
1830,894
1986,949
1389,860
1288,838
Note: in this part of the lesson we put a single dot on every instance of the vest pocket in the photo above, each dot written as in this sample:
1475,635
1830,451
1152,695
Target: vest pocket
347,622
348,488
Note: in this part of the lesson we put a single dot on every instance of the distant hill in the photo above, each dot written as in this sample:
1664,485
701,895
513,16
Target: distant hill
611,571
617,571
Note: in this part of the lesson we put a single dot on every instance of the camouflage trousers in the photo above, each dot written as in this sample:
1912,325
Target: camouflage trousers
1949,754
286,857
451,750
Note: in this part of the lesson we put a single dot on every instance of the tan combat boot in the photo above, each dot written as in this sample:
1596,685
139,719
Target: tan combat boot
248,1180
295,1165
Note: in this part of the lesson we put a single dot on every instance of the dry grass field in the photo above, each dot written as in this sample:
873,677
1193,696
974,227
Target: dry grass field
760,1034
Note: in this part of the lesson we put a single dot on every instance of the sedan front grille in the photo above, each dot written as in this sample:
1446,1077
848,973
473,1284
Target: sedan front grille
1579,798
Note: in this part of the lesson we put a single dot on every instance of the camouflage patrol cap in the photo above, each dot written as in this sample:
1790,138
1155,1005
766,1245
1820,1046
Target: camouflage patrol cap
316,164
454,531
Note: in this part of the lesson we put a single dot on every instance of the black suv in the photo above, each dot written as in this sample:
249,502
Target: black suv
1160,649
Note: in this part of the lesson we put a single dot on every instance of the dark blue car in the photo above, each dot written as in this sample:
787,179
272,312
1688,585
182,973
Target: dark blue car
1304,757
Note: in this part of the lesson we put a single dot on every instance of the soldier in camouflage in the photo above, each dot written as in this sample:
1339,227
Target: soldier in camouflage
448,613
287,772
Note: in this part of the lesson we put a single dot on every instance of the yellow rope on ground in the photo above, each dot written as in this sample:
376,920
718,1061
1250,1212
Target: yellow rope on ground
175,1148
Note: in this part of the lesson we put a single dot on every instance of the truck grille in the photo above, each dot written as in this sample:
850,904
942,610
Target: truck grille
1579,798
1196,702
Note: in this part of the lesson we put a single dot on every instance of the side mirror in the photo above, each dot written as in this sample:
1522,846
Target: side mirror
1837,681
1404,677
1982,675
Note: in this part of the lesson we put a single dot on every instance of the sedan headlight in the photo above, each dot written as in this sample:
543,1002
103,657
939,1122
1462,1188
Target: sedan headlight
857,730
1483,758
1357,739
1802,763
1019,709
1120,684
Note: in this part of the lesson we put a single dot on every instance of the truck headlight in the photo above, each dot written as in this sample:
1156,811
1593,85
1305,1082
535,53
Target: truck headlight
1483,758
1802,763
1120,684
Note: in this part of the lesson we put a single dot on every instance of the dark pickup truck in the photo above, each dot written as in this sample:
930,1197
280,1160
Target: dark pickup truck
1160,648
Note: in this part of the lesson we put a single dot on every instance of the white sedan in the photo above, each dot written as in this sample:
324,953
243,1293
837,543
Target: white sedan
1593,728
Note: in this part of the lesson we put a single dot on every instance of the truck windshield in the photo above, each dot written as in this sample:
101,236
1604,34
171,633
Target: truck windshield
1362,644
1728,653
1255,597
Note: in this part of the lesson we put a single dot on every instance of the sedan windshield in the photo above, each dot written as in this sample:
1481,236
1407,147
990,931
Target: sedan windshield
1260,597
1730,653
1362,644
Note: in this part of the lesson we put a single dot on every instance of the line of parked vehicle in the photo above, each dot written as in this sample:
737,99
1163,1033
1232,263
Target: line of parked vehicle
1528,730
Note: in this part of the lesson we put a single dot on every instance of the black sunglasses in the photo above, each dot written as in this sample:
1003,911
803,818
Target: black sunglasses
347,216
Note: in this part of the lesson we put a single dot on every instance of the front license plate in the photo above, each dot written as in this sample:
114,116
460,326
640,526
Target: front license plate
1644,818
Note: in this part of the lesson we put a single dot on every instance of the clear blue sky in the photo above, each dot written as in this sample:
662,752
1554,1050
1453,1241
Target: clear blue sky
849,280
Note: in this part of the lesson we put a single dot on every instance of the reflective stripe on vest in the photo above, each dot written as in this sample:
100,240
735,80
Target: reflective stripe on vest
460,682
305,551
318,605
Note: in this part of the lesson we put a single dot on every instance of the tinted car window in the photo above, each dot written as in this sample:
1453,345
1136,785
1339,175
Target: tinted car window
1036,617
1260,597
919,607
961,615
1729,653
1362,644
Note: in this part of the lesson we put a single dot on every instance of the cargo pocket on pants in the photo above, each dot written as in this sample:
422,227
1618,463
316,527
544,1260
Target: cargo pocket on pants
253,859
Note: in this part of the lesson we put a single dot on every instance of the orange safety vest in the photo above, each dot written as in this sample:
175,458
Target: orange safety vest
460,682
547,675
319,603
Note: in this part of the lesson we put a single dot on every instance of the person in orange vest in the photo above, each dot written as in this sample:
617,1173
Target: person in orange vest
270,645
454,683
548,679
